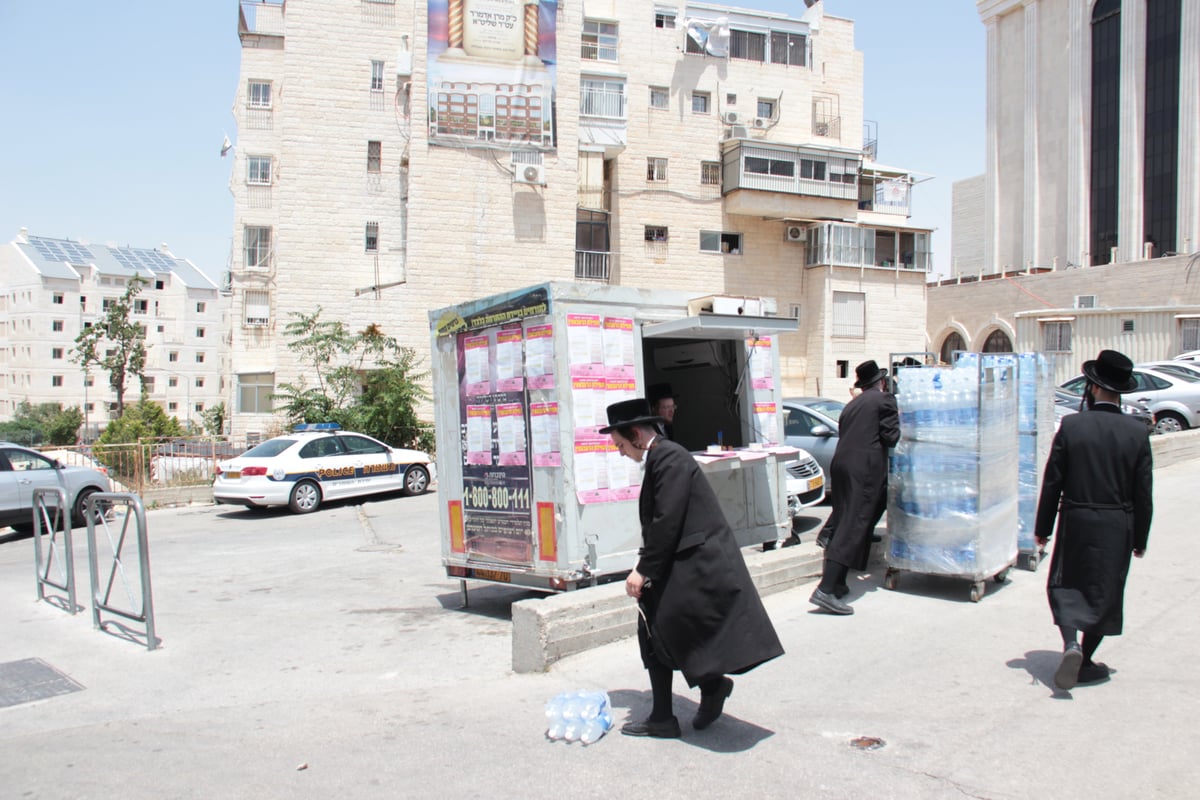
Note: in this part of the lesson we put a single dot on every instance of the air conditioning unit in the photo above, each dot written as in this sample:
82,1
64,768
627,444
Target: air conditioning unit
731,118
797,233
761,122
736,132
529,173
685,356
1085,301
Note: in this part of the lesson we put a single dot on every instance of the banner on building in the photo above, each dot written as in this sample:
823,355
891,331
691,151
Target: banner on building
492,72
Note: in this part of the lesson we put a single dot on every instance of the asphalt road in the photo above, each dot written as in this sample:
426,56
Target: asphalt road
329,656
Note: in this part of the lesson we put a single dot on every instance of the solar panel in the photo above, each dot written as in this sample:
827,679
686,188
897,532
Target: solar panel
60,250
138,259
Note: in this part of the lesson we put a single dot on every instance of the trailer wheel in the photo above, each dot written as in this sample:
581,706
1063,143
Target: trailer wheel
889,580
977,590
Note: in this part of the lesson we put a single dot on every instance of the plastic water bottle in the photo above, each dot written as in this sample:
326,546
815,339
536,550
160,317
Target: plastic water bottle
578,716
556,726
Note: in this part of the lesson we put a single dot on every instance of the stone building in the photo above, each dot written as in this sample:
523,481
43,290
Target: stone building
393,158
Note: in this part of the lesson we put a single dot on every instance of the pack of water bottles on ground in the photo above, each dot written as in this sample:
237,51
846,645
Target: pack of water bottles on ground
578,716
952,501
1035,430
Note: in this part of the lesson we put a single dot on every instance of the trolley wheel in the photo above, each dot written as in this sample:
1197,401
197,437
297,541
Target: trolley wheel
889,579
1031,562
977,590
1002,575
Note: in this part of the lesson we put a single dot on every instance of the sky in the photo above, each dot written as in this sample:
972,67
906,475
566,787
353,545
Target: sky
114,114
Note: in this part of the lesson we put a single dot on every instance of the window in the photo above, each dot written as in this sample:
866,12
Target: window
160,285
255,390
200,308
660,97
656,170
56,352
257,246
199,358
199,407
766,109
141,306
199,383
747,45
849,315
58,298
371,244
258,94
602,98
720,242
1056,337
257,307
758,165
599,40
664,18
91,406
159,328
107,303
710,173
692,46
258,170
200,332
172,383
172,406
787,48
700,101
173,356
731,99
1189,335
376,76
954,343
56,380
57,326
82,303
656,233
812,170
148,383
361,444
374,156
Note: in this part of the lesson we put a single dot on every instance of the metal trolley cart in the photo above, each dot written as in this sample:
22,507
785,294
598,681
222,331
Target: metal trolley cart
952,493
1035,431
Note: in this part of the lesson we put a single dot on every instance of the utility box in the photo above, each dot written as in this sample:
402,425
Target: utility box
530,493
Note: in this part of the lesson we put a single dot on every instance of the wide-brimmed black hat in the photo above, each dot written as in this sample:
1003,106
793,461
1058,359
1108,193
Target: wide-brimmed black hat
1112,371
659,391
868,373
629,412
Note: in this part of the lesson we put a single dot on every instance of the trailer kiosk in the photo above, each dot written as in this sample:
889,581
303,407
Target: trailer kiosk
529,493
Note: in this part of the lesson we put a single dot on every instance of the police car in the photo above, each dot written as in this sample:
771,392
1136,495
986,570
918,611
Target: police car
316,463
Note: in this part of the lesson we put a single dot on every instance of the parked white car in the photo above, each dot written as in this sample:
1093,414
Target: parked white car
805,482
315,463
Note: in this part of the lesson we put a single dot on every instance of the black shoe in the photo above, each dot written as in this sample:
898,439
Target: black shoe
823,539
711,705
1093,672
791,541
1067,674
841,590
830,603
667,729
876,538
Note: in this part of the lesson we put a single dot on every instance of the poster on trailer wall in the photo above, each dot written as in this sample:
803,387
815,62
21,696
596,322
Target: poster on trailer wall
492,70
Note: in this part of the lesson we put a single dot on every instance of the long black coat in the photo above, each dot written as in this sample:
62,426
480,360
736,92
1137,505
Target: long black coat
868,426
1098,483
703,613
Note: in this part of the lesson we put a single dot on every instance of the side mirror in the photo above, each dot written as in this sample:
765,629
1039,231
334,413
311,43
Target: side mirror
823,431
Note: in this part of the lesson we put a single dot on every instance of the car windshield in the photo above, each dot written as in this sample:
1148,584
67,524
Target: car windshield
830,408
1183,373
269,448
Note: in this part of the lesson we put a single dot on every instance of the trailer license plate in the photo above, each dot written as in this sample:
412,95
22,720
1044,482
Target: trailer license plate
816,483
492,575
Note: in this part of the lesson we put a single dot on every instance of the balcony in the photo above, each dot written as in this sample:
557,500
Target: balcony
593,265
602,109
791,181
260,18
839,245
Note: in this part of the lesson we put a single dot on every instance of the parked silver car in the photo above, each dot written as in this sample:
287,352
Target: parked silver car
22,470
1174,402
1066,403
811,423
1188,371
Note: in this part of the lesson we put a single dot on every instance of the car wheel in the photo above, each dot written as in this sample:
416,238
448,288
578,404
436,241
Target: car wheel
416,480
1169,422
305,497
79,518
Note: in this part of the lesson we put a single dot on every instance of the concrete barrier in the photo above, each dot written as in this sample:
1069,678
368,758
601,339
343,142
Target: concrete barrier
1172,448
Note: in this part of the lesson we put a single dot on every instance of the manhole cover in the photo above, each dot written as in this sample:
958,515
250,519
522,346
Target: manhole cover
32,679
867,743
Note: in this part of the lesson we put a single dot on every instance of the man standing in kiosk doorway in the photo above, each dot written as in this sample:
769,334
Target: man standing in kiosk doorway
662,403
698,609
868,426
1099,484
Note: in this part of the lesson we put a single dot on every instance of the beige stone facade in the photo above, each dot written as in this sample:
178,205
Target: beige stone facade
738,171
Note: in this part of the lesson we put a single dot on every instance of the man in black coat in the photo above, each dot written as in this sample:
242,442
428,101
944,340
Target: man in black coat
1099,484
867,427
699,611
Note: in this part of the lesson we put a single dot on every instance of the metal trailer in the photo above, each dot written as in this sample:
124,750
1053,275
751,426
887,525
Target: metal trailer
530,493
952,493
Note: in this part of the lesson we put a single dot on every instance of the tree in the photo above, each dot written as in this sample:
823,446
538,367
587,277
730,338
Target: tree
116,344
144,419
43,423
365,382
214,419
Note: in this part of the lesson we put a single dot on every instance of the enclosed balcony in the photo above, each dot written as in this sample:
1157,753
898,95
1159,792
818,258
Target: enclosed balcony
789,181
602,114
841,245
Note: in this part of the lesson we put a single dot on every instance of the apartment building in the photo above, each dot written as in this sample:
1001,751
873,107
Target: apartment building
55,288
393,158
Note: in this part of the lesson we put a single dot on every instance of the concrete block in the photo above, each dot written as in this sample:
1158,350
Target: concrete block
1173,448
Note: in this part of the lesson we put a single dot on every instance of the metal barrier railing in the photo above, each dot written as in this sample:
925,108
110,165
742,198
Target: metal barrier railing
60,550
102,598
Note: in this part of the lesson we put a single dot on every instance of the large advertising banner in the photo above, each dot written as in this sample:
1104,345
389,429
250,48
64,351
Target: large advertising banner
492,73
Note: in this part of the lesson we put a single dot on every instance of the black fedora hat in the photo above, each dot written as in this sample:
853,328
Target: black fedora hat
868,373
660,391
1112,371
629,412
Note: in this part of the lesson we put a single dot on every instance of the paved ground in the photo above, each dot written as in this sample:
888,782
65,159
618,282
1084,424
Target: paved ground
327,656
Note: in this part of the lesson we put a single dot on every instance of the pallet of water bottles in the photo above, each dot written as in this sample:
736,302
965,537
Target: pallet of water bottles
1035,431
952,489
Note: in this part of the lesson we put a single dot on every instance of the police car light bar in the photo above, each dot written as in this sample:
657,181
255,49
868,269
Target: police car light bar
316,426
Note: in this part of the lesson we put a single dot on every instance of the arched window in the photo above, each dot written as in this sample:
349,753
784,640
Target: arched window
997,342
1106,127
951,343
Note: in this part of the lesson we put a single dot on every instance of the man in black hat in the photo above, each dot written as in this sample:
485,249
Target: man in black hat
867,427
663,404
699,610
1099,484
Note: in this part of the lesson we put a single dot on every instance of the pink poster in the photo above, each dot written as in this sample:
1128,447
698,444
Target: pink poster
478,378
543,424
539,356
